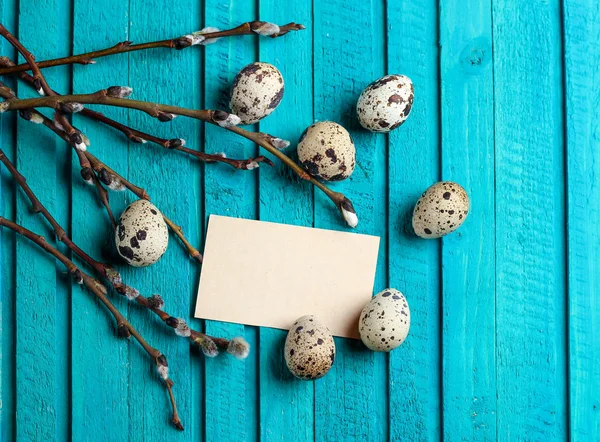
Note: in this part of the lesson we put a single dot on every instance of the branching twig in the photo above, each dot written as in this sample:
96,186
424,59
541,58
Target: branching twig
124,328
75,138
209,345
108,176
165,112
43,88
204,37
140,137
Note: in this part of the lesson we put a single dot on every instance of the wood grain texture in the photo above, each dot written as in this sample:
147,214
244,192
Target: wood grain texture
231,401
286,404
42,286
582,95
350,401
8,124
165,175
100,360
415,367
468,257
530,222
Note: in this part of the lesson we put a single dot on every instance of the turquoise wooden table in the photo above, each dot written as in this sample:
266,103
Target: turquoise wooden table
504,342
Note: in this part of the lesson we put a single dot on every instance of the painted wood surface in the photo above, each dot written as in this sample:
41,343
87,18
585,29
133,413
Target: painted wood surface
505,312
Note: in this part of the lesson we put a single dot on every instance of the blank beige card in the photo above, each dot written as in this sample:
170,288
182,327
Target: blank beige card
268,274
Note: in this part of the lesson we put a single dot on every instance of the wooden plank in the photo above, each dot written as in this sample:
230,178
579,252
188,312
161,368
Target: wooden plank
582,94
468,256
286,405
100,374
415,378
530,224
165,76
8,126
231,390
350,402
42,286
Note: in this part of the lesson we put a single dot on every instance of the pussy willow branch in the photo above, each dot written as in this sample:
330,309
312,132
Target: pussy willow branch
75,138
108,175
86,169
208,344
165,112
111,178
41,85
202,38
123,326
140,137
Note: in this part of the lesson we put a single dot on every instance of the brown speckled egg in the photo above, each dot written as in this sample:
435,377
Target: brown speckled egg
257,90
440,210
326,151
385,321
386,103
309,349
141,236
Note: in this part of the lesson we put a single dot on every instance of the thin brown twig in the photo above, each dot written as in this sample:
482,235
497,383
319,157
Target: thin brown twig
165,112
139,137
108,175
108,272
202,38
100,292
75,138
41,85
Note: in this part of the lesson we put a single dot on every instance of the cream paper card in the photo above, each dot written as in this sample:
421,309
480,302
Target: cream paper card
269,274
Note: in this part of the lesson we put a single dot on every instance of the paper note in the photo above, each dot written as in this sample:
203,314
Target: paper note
268,274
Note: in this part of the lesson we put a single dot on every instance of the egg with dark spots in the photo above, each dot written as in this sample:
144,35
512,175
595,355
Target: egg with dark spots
386,103
141,236
256,92
441,209
309,349
326,150
385,321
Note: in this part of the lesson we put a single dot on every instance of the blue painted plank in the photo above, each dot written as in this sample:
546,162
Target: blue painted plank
98,393
286,404
468,256
165,76
415,367
530,224
350,402
42,300
7,255
582,95
231,390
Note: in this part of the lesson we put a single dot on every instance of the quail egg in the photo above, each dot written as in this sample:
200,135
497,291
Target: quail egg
309,349
141,236
257,90
386,103
441,210
385,321
326,151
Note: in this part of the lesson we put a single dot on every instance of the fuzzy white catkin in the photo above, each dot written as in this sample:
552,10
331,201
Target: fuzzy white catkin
208,30
163,371
37,118
350,217
239,348
230,121
182,328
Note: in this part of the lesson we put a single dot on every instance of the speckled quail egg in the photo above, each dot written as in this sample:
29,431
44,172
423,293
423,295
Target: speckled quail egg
257,90
385,321
309,349
440,210
141,236
326,151
386,103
